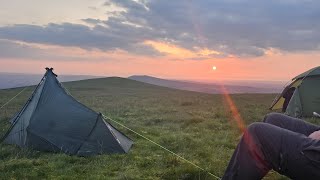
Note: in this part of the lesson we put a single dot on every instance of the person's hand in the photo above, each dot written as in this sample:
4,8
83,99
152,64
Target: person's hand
315,135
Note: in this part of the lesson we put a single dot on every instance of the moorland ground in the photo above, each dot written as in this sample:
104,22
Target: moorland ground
197,126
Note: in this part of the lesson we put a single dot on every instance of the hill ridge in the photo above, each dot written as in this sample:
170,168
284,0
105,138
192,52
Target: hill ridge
211,88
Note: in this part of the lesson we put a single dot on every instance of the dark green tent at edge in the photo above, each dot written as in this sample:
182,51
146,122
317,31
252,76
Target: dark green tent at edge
306,95
52,120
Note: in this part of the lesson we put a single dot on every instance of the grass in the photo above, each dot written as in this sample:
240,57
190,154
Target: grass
196,126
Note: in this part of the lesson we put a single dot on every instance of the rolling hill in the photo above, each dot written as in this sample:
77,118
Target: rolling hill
194,125
212,88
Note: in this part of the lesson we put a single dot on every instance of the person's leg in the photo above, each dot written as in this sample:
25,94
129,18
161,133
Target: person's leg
290,123
264,147
247,161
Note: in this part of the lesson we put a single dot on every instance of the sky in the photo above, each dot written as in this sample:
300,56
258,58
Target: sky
271,40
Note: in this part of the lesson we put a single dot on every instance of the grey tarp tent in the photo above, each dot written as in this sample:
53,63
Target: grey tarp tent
302,96
52,120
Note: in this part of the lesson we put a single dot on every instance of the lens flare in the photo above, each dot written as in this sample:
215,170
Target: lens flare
233,108
247,137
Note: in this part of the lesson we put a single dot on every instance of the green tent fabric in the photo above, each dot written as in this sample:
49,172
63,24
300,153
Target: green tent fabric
312,72
294,108
52,120
306,97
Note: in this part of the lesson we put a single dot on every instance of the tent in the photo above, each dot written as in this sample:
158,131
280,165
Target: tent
302,96
52,120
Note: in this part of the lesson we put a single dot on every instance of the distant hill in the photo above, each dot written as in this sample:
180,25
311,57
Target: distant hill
212,88
13,80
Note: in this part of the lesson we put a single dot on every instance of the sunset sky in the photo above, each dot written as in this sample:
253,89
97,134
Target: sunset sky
177,39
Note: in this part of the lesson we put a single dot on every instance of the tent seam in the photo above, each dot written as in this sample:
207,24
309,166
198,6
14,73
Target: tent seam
114,136
28,130
94,126
116,128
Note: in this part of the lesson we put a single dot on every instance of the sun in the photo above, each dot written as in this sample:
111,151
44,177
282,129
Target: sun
214,68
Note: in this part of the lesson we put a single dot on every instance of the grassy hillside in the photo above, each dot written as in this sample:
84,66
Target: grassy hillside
212,88
197,126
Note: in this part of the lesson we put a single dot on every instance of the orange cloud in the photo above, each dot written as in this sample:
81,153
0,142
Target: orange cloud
179,52
272,52
208,52
170,49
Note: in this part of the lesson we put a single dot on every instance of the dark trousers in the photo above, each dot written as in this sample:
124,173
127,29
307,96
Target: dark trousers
280,143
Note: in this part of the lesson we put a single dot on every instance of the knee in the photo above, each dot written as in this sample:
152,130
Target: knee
255,127
254,133
272,118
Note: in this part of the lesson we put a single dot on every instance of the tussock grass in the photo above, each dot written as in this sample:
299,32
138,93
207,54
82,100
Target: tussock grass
196,126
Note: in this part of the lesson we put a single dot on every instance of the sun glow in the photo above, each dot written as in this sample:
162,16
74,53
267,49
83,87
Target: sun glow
214,68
